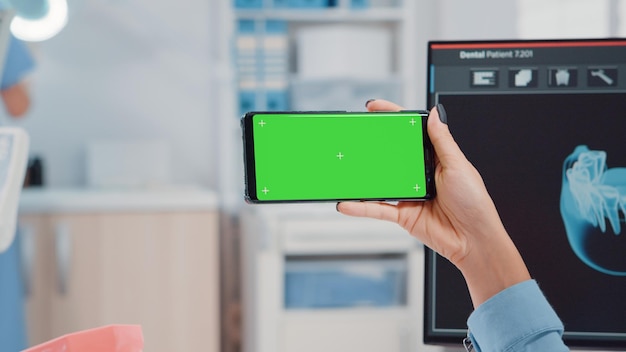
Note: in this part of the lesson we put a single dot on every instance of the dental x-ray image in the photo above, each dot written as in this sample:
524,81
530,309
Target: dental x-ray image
555,165
593,206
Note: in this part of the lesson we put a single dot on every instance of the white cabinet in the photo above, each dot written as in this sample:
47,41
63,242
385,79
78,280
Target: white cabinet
364,330
89,267
315,280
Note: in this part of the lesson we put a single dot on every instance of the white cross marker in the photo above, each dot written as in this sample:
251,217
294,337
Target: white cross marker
412,122
417,187
265,190
262,123
340,156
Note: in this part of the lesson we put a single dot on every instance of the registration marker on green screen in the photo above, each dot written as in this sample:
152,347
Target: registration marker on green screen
336,156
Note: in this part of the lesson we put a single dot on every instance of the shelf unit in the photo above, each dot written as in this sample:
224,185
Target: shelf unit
280,330
399,18
269,41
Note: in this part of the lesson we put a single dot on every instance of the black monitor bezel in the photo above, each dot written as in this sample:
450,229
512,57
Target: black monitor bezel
430,336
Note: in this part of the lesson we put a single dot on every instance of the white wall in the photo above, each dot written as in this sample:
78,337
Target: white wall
459,20
477,19
125,70
563,18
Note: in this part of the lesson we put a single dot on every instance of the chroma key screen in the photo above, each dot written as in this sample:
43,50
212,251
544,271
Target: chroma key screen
334,156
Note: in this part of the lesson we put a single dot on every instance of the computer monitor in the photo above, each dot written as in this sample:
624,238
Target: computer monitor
544,122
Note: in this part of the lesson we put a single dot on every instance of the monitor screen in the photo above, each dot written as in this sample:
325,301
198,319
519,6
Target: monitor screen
544,122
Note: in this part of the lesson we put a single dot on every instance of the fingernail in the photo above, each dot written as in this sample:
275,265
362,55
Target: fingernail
442,113
337,206
369,101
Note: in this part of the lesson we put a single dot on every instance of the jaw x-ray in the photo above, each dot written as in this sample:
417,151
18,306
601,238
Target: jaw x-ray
556,170
593,207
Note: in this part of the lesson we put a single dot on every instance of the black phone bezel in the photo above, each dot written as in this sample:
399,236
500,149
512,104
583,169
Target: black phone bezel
250,190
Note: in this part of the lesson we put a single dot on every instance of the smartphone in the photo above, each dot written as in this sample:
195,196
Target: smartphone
330,156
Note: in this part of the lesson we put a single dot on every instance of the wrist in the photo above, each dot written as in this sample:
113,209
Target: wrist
492,267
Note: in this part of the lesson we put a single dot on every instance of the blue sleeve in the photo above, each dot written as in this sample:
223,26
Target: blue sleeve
515,320
17,64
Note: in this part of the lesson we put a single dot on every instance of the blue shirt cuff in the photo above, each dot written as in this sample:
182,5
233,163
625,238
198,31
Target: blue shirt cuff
516,319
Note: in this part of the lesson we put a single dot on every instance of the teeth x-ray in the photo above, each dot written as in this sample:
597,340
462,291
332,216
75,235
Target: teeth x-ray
593,207
557,173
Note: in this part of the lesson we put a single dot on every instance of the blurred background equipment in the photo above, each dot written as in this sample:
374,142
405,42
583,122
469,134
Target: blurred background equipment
37,20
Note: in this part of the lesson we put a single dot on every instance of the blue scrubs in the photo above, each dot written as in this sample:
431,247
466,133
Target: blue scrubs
12,316
18,63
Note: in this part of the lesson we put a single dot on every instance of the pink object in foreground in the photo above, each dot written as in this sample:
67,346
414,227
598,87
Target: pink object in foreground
109,338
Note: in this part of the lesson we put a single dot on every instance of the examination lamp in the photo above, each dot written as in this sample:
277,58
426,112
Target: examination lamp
37,20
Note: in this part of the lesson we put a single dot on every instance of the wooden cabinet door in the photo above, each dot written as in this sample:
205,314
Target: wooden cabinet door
158,270
38,268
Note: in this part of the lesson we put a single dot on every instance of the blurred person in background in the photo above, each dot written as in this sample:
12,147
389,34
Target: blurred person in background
18,64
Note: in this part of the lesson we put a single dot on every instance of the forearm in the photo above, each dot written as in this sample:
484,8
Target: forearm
492,266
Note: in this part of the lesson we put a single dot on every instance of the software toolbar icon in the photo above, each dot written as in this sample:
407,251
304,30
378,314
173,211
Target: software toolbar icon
523,78
484,78
602,77
562,77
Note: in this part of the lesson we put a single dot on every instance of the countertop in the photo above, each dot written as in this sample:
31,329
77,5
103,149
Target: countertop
55,200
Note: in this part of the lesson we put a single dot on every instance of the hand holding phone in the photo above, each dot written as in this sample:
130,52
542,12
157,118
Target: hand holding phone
337,156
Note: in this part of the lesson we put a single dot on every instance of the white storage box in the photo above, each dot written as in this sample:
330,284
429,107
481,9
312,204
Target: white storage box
344,51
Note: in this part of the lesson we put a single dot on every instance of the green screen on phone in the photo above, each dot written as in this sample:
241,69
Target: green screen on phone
337,156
